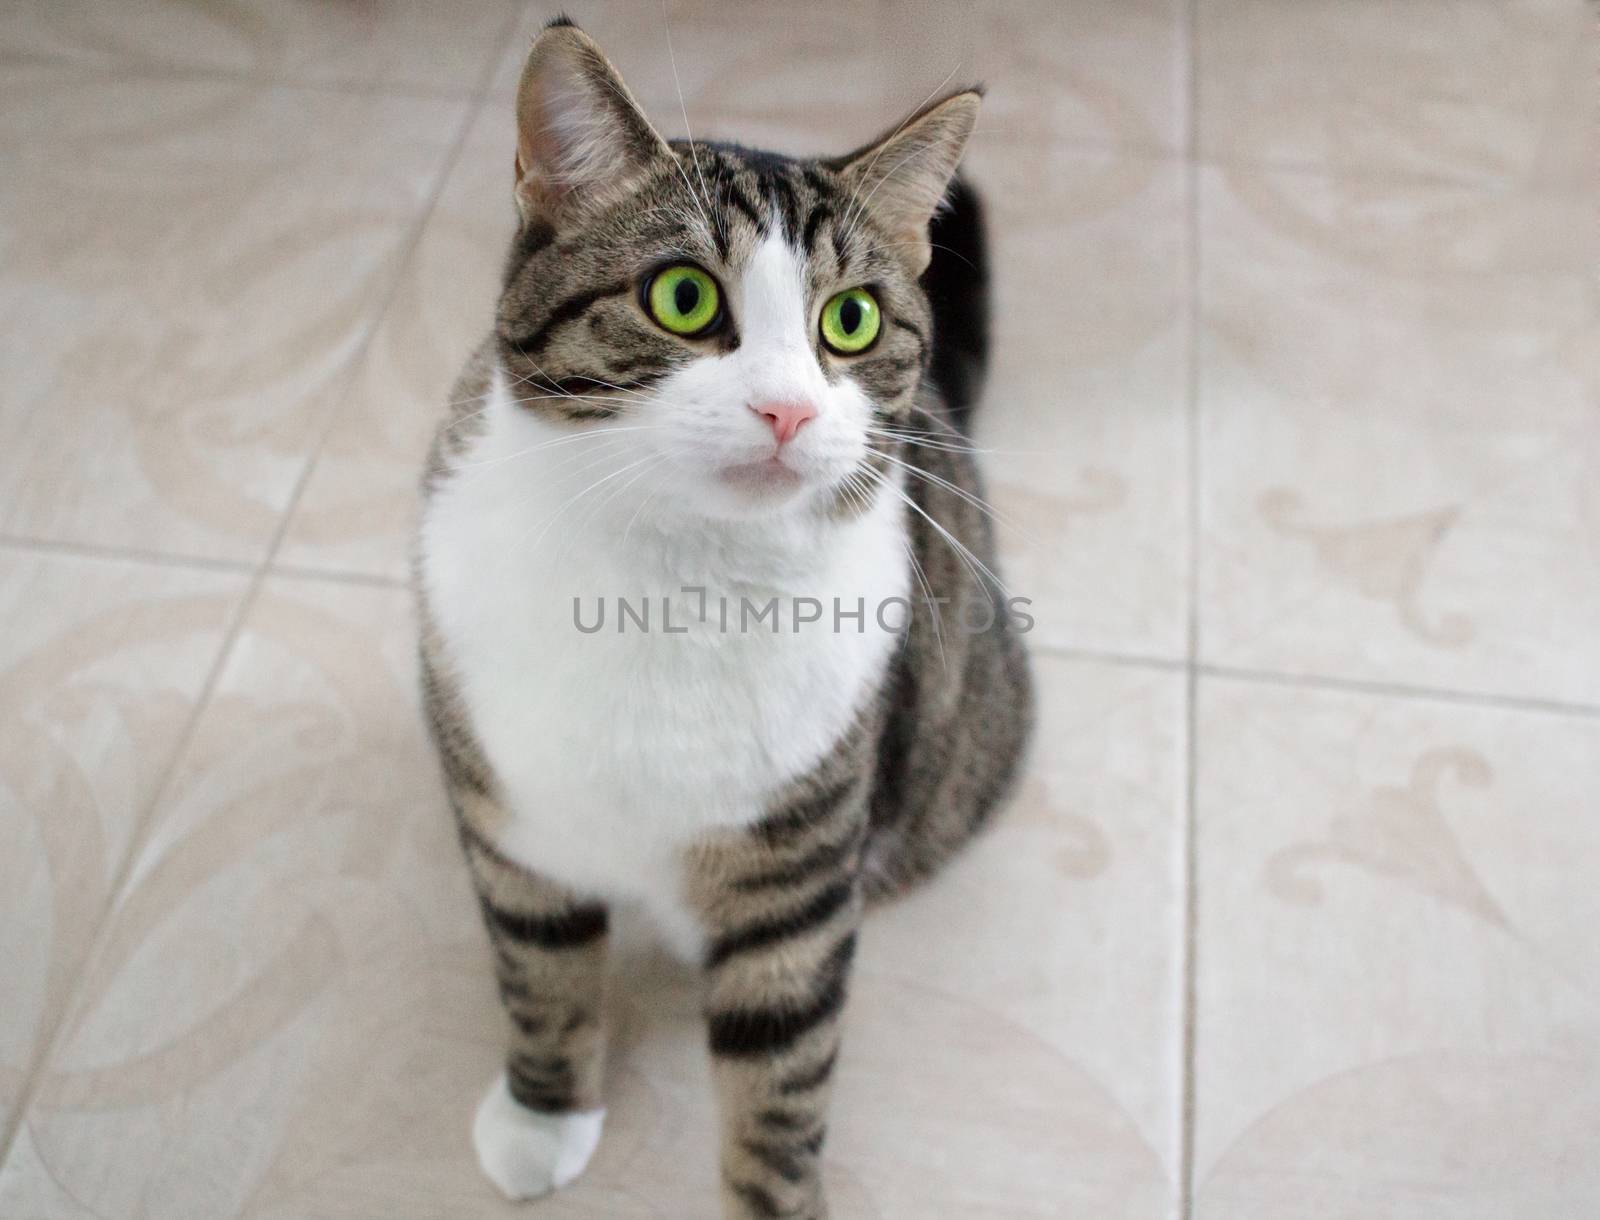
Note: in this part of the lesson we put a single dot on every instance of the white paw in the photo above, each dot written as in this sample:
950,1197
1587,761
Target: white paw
526,1153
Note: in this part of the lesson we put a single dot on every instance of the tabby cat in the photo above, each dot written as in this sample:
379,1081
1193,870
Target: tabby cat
725,393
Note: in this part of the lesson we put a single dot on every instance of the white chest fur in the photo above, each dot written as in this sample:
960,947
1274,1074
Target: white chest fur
616,747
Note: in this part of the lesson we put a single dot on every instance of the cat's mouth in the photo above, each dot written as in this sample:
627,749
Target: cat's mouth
769,476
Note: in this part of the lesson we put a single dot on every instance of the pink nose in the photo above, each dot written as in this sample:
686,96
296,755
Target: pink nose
785,417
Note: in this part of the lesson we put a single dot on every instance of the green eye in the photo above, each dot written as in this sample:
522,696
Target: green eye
683,299
851,321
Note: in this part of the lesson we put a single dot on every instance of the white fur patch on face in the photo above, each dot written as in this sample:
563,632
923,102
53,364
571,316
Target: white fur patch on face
774,337
705,418
526,1153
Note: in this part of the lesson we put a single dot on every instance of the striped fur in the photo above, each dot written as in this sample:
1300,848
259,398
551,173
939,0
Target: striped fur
783,903
774,895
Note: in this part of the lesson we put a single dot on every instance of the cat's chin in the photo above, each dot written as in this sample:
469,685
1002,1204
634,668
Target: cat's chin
759,488
767,479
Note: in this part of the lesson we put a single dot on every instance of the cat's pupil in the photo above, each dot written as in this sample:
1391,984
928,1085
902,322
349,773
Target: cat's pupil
850,316
686,295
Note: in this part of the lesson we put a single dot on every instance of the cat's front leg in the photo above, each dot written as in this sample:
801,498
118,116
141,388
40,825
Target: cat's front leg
538,1125
781,904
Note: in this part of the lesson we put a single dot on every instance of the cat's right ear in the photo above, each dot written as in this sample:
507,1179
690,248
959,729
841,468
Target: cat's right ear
581,138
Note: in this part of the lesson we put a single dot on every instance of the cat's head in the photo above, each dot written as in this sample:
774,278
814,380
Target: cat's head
749,327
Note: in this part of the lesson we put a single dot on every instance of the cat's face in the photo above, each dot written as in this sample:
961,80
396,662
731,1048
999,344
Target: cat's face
747,330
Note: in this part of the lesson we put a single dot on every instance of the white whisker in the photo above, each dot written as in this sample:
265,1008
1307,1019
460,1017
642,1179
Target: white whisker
587,434
666,25
977,502
600,482
974,564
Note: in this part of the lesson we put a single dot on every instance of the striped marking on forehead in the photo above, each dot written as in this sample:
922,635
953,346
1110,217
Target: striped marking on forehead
769,192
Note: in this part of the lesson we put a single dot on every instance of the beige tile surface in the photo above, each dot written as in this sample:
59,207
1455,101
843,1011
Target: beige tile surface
360,505
1399,986
292,932
298,929
1024,1006
397,44
1399,385
1469,90
100,666
1083,418
190,267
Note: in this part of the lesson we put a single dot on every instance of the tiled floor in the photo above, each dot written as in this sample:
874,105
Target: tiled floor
1296,409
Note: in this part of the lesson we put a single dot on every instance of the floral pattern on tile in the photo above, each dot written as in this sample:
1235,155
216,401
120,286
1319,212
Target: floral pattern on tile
100,666
1399,996
360,505
184,291
1081,426
1399,832
1397,397
1386,560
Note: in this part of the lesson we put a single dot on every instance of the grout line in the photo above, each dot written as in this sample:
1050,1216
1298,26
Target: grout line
1188,1105
1323,682
396,285
1191,910
295,571
50,1041
1399,178
98,552
185,74
1314,682
155,69
93,550
1401,690
1107,656
192,563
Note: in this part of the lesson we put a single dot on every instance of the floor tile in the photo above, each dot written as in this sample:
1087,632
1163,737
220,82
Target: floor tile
292,1013
382,43
183,287
100,664
359,508
1103,71
1082,422
1465,90
1401,452
1399,988
1026,1006
292,972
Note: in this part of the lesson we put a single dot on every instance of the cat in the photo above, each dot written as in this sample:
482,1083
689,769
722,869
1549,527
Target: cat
719,380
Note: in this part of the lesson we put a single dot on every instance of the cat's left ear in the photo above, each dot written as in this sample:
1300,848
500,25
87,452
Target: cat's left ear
581,138
900,178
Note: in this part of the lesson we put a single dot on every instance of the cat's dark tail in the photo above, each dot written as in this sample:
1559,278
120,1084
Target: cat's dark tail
957,283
